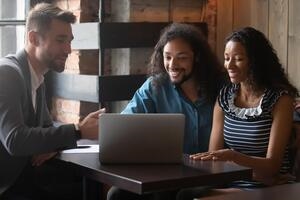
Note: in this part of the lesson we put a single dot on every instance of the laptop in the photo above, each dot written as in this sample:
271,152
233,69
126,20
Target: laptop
141,138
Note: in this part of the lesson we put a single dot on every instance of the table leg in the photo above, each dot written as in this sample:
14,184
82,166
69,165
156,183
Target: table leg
92,190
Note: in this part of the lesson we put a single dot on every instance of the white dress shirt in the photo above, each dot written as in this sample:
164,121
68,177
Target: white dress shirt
36,80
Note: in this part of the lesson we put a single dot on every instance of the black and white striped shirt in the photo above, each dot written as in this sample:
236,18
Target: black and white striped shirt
248,130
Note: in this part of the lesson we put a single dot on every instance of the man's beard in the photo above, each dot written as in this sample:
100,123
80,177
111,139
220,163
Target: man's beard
184,78
56,67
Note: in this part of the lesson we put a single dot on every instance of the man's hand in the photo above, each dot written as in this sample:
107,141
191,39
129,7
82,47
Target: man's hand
89,125
38,160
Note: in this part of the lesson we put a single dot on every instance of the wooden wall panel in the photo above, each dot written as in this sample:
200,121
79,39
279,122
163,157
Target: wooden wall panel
149,11
253,13
277,19
187,11
119,12
294,43
241,13
278,28
88,39
260,15
235,14
224,24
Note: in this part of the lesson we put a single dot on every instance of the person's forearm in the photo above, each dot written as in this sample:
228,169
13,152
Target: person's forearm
262,167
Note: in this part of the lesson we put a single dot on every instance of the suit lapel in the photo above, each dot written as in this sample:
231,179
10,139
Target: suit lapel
24,67
39,103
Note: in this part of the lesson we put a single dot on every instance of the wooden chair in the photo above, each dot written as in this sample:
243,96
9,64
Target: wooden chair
122,87
119,87
296,150
96,88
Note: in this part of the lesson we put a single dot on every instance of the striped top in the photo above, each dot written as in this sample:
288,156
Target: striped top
247,130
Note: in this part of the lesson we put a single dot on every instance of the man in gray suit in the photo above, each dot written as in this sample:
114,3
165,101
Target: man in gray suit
26,132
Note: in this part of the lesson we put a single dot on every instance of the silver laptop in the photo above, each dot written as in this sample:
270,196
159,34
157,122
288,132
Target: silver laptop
141,138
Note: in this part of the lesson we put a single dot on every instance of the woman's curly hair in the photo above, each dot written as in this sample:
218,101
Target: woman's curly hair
266,71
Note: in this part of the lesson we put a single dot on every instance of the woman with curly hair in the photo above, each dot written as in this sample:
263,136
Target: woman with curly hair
253,115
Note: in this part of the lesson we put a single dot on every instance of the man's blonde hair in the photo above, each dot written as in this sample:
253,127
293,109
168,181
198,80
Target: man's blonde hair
42,14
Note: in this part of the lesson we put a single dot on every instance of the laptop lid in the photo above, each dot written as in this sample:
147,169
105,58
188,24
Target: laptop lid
141,138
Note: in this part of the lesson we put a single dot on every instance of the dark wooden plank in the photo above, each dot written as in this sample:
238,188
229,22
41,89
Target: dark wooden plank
93,88
74,86
157,177
119,87
134,34
279,192
111,88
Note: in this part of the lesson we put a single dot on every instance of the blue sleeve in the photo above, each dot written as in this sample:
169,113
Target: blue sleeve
142,101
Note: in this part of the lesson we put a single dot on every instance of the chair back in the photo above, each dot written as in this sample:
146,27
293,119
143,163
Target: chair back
119,87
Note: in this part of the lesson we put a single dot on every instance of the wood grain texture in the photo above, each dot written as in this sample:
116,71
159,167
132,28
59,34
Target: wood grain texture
293,68
241,13
134,34
260,15
278,28
224,24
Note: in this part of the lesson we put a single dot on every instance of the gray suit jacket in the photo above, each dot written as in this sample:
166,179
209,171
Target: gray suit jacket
24,132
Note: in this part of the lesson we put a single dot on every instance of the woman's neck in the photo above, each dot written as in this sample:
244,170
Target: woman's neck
248,97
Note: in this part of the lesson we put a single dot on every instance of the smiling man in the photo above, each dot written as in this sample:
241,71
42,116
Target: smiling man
185,77
27,136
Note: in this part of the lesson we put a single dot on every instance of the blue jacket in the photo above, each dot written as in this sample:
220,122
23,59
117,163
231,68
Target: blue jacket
166,98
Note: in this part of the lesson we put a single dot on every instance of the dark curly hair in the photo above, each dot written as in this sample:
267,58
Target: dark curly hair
206,66
266,71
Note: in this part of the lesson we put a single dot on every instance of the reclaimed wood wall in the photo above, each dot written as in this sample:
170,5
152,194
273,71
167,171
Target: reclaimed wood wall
277,19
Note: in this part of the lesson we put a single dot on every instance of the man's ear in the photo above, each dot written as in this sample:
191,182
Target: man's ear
33,38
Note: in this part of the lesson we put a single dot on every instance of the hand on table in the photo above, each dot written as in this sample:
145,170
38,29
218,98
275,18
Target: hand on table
222,154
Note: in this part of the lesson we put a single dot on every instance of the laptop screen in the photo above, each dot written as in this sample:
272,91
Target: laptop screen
141,138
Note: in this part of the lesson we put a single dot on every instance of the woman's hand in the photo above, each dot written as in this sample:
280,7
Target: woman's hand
222,154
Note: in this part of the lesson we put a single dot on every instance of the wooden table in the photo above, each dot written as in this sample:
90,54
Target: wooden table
287,191
147,178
